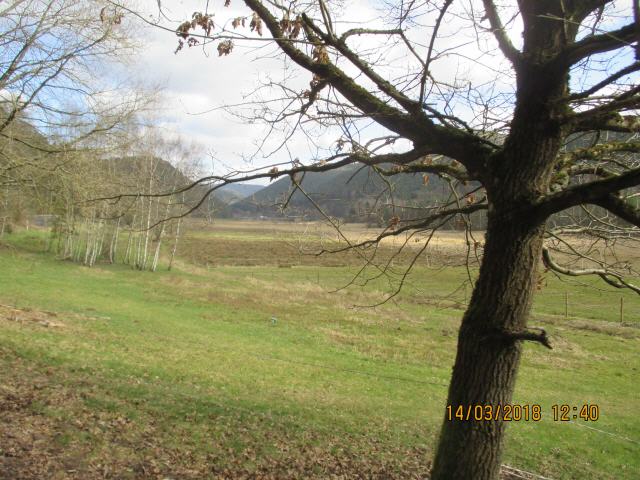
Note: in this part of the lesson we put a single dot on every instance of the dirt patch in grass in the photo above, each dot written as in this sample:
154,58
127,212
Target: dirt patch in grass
6,247
30,316
613,329
42,318
46,433
609,328
27,446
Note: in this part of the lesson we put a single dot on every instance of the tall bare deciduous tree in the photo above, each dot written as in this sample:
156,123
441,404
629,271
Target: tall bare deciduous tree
53,53
56,99
472,91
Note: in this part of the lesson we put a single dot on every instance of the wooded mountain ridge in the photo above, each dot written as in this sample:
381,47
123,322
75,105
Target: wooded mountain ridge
355,193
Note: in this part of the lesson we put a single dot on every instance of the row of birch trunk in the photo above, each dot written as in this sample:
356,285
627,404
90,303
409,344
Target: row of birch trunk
135,230
95,238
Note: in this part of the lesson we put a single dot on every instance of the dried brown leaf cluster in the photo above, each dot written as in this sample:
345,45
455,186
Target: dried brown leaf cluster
320,54
239,21
291,28
113,17
204,21
198,19
225,47
256,24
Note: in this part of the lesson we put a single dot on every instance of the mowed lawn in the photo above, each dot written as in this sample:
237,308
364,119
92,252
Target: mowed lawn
259,371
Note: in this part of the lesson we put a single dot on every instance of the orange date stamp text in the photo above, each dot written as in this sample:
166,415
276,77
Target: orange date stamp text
505,413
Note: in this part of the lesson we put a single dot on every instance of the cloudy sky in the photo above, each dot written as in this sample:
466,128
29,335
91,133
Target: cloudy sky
197,82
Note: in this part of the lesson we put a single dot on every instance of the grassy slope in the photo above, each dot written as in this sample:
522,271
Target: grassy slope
187,373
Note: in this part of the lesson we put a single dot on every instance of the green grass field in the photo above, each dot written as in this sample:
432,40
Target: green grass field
220,369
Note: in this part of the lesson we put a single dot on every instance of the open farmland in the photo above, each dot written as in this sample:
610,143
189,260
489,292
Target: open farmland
243,363
289,243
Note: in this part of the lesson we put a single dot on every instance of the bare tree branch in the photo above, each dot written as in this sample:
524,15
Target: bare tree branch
590,192
598,44
463,146
611,121
634,67
622,209
498,30
612,278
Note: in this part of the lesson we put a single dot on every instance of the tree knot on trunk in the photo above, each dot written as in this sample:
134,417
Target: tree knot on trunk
533,334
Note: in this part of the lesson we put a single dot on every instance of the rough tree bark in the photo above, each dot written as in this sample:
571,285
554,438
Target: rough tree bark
488,352
488,356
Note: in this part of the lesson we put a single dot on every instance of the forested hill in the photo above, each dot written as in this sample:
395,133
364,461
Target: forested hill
39,176
150,174
358,193
240,190
353,193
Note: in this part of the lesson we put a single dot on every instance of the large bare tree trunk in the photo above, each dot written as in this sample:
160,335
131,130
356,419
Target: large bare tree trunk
496,319
488,355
